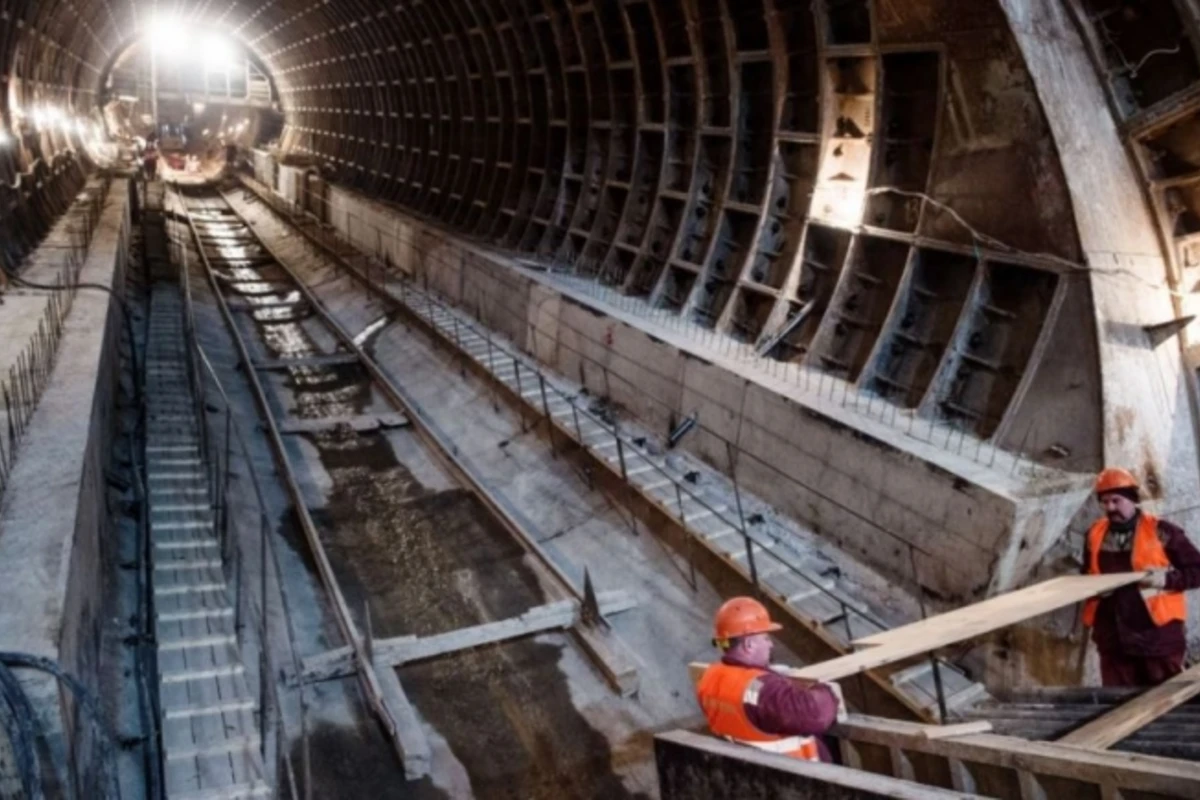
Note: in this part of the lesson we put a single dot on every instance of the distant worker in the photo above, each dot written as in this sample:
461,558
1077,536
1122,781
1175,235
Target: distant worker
746,702
150,161
1138,630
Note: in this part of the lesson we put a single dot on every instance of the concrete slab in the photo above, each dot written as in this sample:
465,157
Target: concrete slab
53,516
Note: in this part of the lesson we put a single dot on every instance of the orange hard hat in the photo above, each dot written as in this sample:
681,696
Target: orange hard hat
742,616
1115,478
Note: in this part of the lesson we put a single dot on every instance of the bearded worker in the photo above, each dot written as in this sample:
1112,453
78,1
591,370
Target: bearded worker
1139,630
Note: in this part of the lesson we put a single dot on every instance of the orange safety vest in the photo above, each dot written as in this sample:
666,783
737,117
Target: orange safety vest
1148,553
723,692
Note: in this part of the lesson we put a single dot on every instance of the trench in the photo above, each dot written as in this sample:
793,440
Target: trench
417,560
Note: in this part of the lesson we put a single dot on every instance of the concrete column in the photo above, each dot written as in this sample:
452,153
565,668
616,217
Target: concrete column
1149,424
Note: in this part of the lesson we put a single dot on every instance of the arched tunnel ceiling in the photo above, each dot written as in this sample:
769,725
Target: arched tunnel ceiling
725,159
535,122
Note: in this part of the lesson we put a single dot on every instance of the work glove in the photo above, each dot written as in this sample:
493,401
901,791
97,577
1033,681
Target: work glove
1155,579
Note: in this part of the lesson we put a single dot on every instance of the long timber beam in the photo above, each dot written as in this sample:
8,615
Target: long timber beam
401,650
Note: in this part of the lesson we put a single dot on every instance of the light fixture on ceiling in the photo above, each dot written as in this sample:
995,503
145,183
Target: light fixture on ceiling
219,53
167,35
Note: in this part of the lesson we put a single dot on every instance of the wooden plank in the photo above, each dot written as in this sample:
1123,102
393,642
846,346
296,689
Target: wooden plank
955,626
966,623
363,423
1108,729
961,729
1003,610
417,756
403,649
1127,771
328,360
852,782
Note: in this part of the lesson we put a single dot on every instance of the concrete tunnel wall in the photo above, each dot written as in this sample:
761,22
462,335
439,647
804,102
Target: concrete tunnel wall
867,493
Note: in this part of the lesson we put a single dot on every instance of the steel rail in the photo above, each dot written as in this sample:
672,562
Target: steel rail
594,636
366,672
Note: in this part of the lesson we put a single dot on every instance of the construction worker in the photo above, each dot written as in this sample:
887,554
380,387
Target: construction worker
1138,630
748,703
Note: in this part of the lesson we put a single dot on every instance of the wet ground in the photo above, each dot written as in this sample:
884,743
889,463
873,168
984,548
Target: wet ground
424,561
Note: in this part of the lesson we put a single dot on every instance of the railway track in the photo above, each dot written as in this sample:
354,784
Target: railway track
831,613
247,277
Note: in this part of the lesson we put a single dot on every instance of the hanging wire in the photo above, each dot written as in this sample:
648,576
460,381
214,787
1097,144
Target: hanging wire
992,241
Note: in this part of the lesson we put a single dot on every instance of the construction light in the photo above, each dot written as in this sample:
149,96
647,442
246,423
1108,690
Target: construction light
167,35
219,54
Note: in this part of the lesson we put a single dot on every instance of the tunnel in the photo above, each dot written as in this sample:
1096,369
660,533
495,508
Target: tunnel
491,344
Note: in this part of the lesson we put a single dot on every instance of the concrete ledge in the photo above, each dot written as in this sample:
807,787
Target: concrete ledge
695,767
54,517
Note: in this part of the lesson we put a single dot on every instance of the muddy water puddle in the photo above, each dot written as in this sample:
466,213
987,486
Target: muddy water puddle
423,562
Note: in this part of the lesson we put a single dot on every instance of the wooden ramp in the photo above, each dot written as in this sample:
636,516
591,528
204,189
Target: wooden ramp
211,742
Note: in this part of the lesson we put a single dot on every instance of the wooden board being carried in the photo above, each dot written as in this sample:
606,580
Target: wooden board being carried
956,626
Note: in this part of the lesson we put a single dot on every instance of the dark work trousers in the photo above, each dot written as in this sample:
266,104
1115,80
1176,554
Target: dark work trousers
1121,670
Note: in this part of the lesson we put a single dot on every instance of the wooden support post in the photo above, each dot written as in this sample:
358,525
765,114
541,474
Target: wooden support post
961,778
1031,787
902,767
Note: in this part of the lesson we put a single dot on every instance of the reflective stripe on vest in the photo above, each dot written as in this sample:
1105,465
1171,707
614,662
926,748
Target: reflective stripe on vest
723,692
1148,553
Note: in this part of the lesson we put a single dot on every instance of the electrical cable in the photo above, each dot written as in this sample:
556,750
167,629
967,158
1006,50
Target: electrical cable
107,739
1162,51
992,241
22,736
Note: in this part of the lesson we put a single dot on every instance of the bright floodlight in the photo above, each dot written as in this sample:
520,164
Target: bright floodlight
167,35
219,54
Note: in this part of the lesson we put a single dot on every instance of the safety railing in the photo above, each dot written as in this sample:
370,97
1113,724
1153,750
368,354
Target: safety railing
29,374
379,276
815,385
222,441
